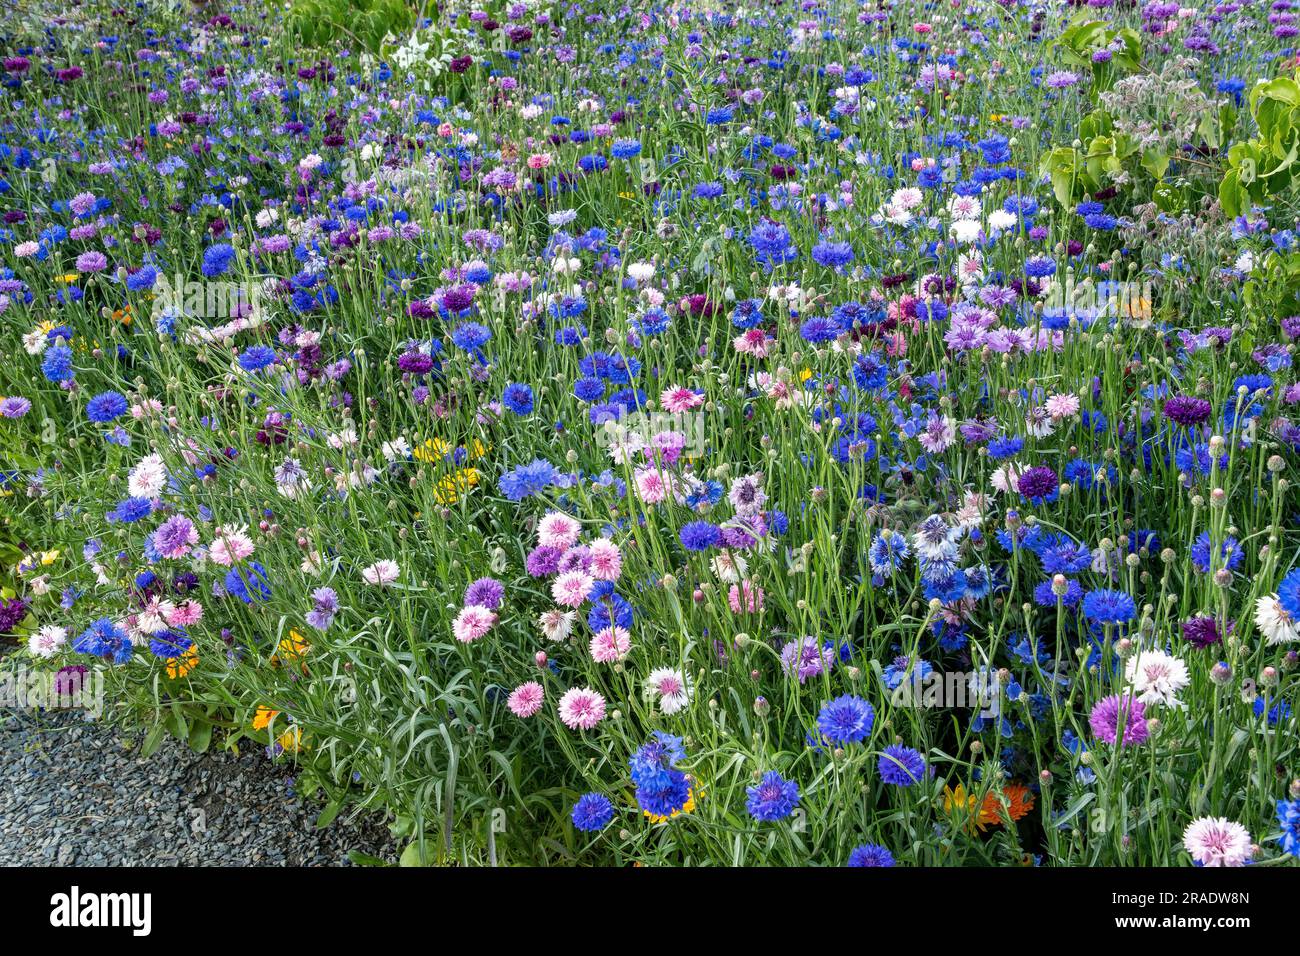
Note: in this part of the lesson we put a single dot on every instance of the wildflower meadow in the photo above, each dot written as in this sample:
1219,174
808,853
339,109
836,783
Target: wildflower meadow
819,433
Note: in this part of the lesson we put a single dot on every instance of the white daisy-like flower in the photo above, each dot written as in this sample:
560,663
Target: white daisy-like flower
1157,677
45,643
1274,621
671,688
381,573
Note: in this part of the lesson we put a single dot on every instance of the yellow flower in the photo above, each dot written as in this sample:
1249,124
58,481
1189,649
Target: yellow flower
44,558
434,449
292,648
450,487
70,277
291,740
805,375
180,666
964,808
262,719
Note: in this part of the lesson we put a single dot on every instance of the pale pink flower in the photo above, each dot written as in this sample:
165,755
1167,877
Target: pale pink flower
558,530
606,559
232,545
472,623
581,708
1217,841
185,614
650,486
571,588
526,699
679,399
1062,406
670,687
555,624
610,645
745,598
381,573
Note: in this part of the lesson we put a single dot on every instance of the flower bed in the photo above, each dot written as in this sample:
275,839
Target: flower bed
816,436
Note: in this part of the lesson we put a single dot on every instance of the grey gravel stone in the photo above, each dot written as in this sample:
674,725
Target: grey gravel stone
78,793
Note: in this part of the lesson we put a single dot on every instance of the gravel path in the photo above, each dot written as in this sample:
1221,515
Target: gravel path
71,793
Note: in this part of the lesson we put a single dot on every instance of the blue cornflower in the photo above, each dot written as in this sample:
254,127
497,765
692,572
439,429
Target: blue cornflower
887,552
664,801
1288,594
1109,607
653,763
256,357
217,259
846,720
1280,711
747,314
131,509
833,255
592,812
56,366
772,798
104,639
700,536
901,766
470,336
1288,817
870,854
106,406
518,397
525,480
1229,551
820,328
248,584
624,148
772,244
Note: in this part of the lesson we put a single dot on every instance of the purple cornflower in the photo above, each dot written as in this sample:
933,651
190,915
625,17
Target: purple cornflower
1105,719
325,604
485,592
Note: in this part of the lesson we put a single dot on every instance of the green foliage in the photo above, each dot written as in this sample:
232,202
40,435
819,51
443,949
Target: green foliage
1261,168
1082,41
359,23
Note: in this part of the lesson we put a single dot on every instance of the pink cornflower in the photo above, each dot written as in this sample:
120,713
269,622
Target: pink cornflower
558,530
381,573
1218,841
185,614
526,699
679,398
571,588
581,708
745,598
650,486
1062,406
472,623
753,342
606,560
232,545
610,645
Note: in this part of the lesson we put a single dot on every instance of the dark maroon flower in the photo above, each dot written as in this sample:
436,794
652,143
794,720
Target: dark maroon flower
1201,631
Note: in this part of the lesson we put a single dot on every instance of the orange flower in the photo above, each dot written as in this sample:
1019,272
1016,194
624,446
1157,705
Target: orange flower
1019,801
262,719
180,666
